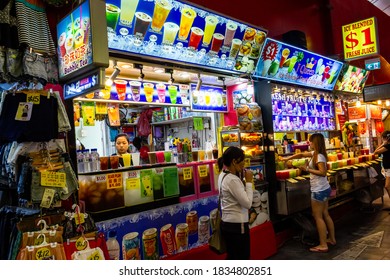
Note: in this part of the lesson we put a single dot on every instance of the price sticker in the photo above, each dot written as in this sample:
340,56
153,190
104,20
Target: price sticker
271,50
95,256
43,254
132,183
79,219
187,173
53,179
202,171
114,181
34,98
81,243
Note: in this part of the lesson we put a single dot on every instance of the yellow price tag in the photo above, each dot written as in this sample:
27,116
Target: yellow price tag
43,254
101,108
81,243
202,171
34,98
79,218
53,179
95,256
187,173
132,183
114,181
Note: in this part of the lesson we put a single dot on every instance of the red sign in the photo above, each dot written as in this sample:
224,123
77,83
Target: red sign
356,113
375,112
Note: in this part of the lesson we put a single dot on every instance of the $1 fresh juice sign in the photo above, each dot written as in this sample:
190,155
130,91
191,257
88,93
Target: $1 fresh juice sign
360,39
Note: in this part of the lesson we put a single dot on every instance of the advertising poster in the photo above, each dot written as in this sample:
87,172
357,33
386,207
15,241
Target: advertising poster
177,31
208,98
352,79
286,63
74,41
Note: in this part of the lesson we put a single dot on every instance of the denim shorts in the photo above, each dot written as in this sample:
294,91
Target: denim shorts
39,66
10,63
321,196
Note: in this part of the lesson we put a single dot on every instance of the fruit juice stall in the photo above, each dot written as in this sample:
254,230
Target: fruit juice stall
159,207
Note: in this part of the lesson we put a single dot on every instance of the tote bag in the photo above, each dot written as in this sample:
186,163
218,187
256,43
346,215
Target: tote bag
216,241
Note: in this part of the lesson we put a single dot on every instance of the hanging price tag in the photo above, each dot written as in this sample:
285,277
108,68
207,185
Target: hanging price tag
187,173
43,254
95,256
53,179
34,98
81,243
202,169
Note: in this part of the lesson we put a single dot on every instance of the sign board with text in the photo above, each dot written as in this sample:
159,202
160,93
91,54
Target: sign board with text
360,39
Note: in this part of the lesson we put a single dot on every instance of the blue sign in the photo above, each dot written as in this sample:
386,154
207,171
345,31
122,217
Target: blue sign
209,99
176,31
84,85
373,64
282,62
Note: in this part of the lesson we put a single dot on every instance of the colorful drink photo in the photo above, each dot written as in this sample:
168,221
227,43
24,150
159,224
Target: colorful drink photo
187,19
160,14
211,24
128,9
112,16
195,37
142,22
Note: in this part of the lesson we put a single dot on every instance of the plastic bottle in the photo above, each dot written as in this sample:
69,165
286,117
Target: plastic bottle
113,245
94,163
80,161
87,159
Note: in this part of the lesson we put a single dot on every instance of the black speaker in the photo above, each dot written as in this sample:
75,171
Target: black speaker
296,38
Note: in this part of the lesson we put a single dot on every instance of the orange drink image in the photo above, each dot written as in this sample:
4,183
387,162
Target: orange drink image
148,90
211,24
187,19
160,14
285,54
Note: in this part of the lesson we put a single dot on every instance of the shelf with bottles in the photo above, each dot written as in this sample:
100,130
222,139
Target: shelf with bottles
294,124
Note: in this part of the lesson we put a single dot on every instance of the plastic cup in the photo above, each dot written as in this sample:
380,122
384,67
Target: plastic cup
114,162
152,157
168,156
128,9
135,90
103,163
216,42
135,158
215,153
170,32
236,45
148,90
121,89
160,14
187,19
126,160
160,157
173,94
201,155
209,154
231,28
161,91
194,155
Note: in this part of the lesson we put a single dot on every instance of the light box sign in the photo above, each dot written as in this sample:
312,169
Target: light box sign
352,79
285,63
209,99
360,39
76,34
87,84
174,30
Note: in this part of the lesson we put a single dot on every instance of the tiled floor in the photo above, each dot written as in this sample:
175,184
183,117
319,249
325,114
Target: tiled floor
361,235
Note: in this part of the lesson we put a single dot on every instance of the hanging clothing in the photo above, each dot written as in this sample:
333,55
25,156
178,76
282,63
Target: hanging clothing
8,25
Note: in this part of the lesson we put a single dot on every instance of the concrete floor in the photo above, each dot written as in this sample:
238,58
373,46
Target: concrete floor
362,233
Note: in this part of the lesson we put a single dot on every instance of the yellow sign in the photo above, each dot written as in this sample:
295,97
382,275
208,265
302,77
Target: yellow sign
34,97
202,171
101,108
132,183
360,39
187,173
53,179
114,181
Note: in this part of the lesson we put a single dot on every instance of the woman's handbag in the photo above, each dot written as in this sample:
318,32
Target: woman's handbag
216,241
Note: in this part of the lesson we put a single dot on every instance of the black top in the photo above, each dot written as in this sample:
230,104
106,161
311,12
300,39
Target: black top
386,157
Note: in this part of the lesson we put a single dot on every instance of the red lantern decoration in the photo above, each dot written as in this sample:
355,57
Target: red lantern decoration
379,126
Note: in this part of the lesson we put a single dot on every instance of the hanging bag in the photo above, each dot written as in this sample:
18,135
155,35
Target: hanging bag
216,240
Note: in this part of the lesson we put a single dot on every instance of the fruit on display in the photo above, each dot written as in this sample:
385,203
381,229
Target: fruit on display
250,138
252,151
349,131
230,137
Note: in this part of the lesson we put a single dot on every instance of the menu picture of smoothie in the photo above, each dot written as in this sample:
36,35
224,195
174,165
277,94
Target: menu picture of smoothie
231,28
195,38
210,25
187,18
142,22
170,33
128,9
112,16
160,14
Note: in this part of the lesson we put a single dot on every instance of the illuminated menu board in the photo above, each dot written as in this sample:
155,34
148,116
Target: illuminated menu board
352,79
209,99
76,34
174,30
282,62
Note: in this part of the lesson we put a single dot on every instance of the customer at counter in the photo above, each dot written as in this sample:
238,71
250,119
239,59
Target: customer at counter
320,190
384,150
122,143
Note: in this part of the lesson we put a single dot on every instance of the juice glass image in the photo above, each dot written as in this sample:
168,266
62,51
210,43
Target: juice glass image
148,90
160,14
231,28
170,32
121,89
112,15
173,94
216,43
104,163
135,158
211,23
69,42
135,88
285,54
187,19
201,155
114,162
236,45
126,159
160,156
195,37
194,155
161,91
293,60
128,9
184,93
61,44
207,98
142,22
260,37
167,156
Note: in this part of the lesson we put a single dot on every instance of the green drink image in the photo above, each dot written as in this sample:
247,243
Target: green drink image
293,60
172,93
112,16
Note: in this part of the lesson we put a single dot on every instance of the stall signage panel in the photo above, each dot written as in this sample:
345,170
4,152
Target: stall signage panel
356,113
174,30
208,98
84,85
282,62
114,181
352,79
375,112
360,39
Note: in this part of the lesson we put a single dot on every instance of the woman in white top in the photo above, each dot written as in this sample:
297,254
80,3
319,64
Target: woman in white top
320,190
236,200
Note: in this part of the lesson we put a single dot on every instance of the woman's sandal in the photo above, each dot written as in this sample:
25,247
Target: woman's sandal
331,243
318,250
